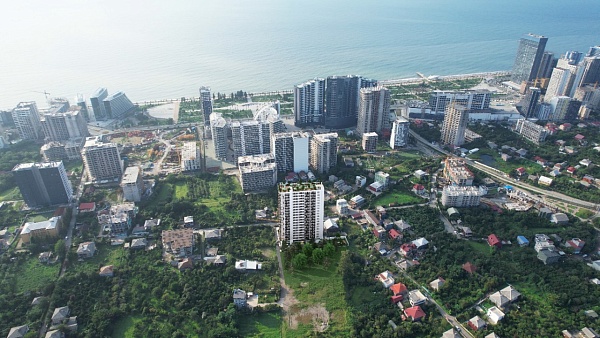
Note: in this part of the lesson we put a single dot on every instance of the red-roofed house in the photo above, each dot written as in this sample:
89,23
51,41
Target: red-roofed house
407,248
520,171
579,137
469,267
540,161
571,170
494,241
418,188
396,299
415,313
398,289
565,127
395,235
87,207
576,244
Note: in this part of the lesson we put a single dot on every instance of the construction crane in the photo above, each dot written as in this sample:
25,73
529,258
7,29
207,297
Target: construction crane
45,93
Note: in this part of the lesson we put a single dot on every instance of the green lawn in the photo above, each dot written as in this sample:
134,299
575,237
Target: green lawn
124,327
481,247
181,190
33,275
11,195
398,198
262,325
317,285
105,255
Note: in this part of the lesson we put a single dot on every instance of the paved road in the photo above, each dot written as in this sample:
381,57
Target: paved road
500,176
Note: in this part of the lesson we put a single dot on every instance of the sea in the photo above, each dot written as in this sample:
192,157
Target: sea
159,49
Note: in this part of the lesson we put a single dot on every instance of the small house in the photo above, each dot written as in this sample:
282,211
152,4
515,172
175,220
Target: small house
548,257
493,241
499,299
106,271
522,241
415,313
559,218
476,323
239,298
398,289
437,283
395,235
495,315
521,171
416,297
469,267
420,243
86,250
576,244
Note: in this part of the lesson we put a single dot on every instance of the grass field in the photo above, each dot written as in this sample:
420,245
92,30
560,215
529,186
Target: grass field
34,275
124,327
11,195
317,285
481,247
264,325
105,255
181,190
398,198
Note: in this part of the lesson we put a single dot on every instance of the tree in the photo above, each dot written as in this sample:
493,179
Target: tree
328,249
300,261
60,249
307,249
318,255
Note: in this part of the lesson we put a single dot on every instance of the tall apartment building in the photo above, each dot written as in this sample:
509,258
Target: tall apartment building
43,183
472,99
64,126
544,111
27,121
342,100
117,105
97,103
528,58
63,150
80,102
102,161
531,101
462,196
531,131
250,138
590,71
455,124
399,136
218,127
290,151
323,152
309,102
547,63
457,172
206,104
132,184
560,106
269,114
561,82
190,157
369,142
301,212
373,110
257,172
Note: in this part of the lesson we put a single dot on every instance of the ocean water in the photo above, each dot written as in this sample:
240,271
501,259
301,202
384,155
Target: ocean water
167,49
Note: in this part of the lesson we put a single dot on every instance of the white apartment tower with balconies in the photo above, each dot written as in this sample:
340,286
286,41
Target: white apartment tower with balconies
323,152
301,212
102,160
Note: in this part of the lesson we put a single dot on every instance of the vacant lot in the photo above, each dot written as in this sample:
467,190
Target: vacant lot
33,275
264,325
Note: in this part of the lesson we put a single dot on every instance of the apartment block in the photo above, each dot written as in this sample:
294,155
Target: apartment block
455,125
64,126
399,136
97,103
218,127
531,131
190,157
373,110
26,118
301,212
462,196
64,150
457,172
323,152
290,151
309,102
471,99
257,172
117,105
369,142
43,184
102,160
132,184
207,108
250,138
179,242
118,218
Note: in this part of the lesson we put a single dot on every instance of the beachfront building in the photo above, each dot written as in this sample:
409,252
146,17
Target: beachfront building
43,184
323,152
529,58
399,136
301,212
102,160
472,99
373,110
206,100
342,100
132,184
26,118
190,157
455,125
97,103
117,105
218,127
257,172
309,102
290,151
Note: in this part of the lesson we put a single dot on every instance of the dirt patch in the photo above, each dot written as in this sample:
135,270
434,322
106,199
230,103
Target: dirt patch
316,315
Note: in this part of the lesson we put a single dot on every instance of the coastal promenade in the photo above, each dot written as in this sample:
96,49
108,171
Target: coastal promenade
390,83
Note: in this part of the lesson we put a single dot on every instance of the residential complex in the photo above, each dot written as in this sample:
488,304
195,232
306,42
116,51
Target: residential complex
290,151
179,242
369,142
206,100
462,196
132,184
373,110
472,99
64,126
455,124
531,101
399,136
250,138
190,157
309,102
43,183
323,152
301,212
531,131
457,172
257,172
342,100
529,58
26,118
218,127
102,160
